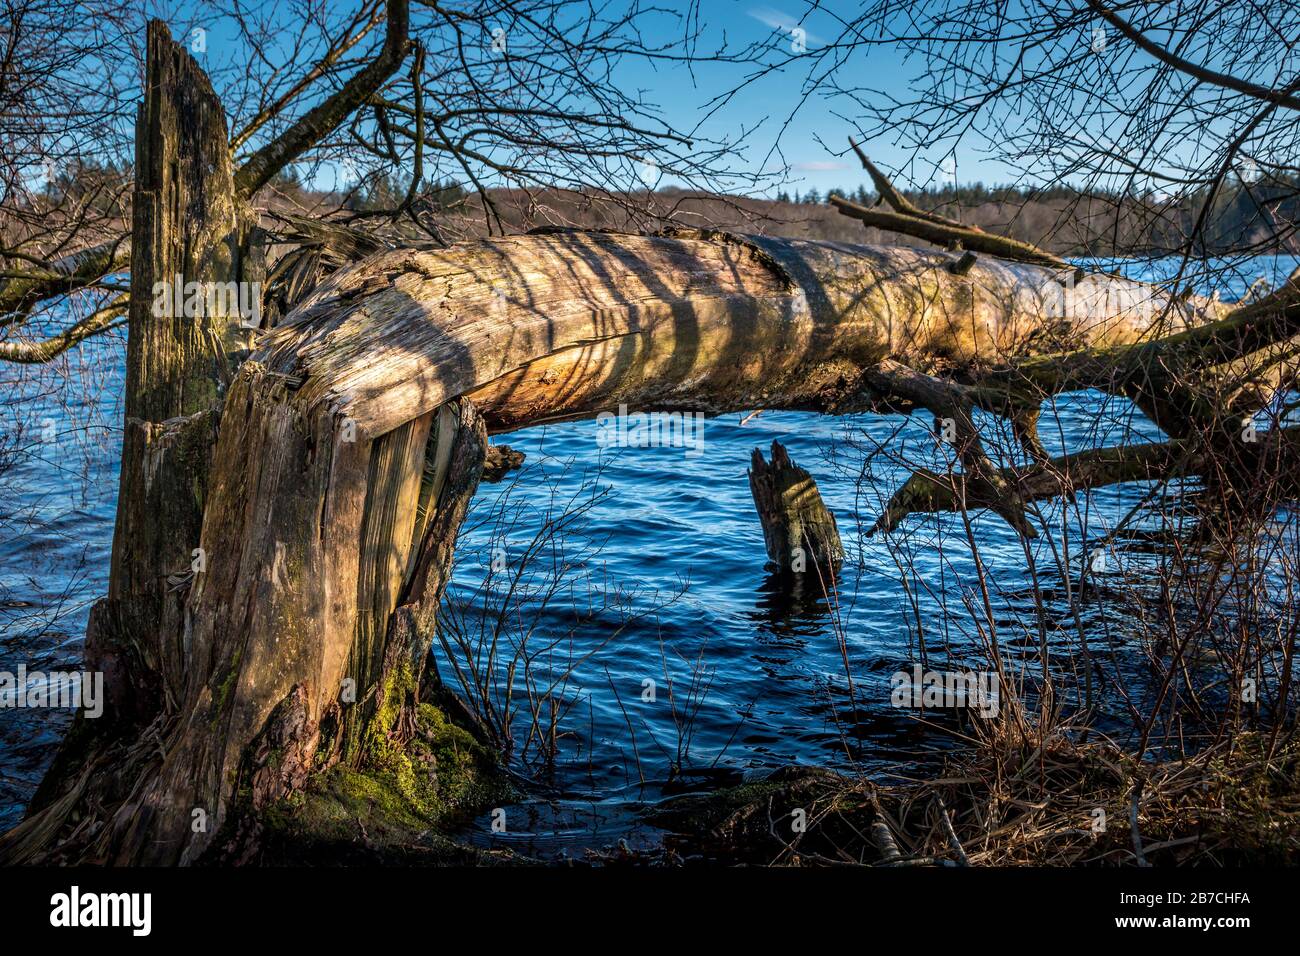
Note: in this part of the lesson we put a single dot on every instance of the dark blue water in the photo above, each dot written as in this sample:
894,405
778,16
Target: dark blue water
60,446
653,570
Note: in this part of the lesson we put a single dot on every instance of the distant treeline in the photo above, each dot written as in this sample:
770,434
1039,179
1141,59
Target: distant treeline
1260,216
972,194
1256,216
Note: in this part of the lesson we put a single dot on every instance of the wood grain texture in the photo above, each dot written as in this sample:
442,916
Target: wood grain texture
554,325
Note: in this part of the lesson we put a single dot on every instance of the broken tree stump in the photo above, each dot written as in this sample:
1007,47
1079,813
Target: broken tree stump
798,529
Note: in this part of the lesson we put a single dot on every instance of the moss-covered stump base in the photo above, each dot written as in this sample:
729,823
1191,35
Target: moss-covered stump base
396,809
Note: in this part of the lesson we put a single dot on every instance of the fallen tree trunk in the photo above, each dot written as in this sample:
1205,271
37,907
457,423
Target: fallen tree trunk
338,479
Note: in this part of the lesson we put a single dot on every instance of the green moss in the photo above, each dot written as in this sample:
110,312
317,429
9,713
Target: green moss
401,798
442,771
355,817
334,805
224,688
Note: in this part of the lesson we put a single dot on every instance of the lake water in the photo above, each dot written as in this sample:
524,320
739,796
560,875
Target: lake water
659,577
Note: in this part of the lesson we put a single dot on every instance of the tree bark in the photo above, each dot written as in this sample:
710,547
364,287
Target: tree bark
798,529
189,226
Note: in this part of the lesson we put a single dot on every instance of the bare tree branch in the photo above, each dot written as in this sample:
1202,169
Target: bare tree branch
323,118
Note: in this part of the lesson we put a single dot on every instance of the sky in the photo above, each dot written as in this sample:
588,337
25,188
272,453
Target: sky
809,138
805,137
815,133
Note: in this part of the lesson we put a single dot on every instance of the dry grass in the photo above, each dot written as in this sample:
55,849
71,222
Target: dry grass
1070,805
1058,804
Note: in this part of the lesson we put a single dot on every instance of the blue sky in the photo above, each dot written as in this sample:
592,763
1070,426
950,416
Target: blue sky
810,136
809,143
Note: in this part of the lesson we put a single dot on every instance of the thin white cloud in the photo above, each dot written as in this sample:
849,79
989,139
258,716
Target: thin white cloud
819,166
776,20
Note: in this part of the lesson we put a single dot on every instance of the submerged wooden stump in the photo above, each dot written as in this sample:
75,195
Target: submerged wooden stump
798,529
